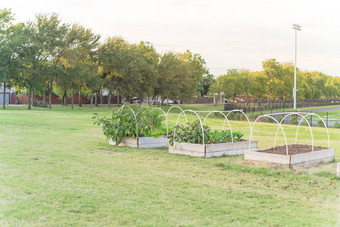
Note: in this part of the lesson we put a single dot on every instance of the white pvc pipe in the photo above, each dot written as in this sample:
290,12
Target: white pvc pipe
308,114
186,119
185,115
297,131
250,128
225,118
261,116
166,120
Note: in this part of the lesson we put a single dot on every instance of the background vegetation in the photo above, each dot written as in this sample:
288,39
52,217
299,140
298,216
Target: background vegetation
46,56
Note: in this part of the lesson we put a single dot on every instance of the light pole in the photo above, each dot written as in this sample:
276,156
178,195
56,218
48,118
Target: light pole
296,27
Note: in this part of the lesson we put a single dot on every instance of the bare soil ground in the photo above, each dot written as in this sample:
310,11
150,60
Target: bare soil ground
293,149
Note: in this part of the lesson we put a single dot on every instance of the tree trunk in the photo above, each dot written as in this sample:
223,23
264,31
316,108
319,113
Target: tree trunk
4,97
50,96
167,101
72,98
162,101
91,100
79,100
100,98
109,100
65,98
32,98
118,101
96,99
29,100
44,98
248,100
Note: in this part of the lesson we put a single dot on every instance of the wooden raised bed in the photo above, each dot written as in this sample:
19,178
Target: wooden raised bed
212,150
300,156
143,142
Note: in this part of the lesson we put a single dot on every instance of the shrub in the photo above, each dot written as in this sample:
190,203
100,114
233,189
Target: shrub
337,125
39,103
251,117
270,120
231,116
218,115
306,124
320,124
293,121
280,119
237,117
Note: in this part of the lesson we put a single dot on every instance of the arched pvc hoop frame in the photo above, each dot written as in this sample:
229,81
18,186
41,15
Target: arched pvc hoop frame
250,128
309,114
279,125
225,119
166,120
167,115
297,131
194,112
182,111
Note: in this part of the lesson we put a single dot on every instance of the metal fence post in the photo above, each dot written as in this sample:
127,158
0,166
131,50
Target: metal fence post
311,120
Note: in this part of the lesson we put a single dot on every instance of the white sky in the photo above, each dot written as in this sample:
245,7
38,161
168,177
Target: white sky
228,34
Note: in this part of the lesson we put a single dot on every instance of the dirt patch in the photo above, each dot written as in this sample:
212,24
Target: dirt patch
293,149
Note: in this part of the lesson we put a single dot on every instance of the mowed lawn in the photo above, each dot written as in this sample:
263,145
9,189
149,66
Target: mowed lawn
57,169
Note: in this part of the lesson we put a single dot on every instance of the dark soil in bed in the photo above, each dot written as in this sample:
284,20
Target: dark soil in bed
293,149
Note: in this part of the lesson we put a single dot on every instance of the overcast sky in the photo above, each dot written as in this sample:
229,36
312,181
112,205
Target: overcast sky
228,34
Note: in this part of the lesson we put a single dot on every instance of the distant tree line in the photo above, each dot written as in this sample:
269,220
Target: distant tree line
46,56
276,82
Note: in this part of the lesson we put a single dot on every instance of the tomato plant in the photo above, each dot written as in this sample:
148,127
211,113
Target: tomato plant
122,123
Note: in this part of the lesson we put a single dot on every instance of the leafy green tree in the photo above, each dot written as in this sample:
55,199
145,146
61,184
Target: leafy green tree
259,90
78,59
205,84
54,37
10,63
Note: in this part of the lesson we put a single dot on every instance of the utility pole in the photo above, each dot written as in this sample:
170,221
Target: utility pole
296,27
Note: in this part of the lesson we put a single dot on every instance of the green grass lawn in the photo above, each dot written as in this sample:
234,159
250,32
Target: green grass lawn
57,169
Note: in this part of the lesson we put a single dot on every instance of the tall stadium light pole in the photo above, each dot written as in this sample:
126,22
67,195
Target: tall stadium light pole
296,27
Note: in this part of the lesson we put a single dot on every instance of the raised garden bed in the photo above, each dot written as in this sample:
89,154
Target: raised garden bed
142,142
299,156
212,150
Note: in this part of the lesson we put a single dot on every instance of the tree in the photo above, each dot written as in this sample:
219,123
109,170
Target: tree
78,59
53,34
114,57
35,55
205,83
196,66
9,62
176,77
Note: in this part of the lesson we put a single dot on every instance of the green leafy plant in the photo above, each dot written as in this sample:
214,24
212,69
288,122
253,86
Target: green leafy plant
237,117
337,125
293,121
270,120
305,122
123,123
320,124
192,133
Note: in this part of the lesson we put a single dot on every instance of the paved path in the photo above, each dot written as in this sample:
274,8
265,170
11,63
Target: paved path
326,109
